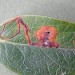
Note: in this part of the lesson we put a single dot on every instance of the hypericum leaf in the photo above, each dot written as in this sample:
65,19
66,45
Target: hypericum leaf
29,60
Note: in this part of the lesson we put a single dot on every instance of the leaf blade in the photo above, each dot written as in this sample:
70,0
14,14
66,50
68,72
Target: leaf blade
30,60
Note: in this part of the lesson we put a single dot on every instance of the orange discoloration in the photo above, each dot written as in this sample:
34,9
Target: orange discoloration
46,35
52,33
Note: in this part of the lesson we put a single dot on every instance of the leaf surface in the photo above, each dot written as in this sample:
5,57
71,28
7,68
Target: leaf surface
24,59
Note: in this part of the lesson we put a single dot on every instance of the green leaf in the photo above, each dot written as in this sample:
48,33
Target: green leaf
24,59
